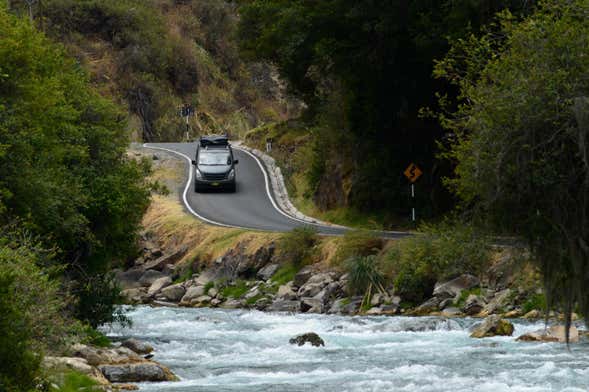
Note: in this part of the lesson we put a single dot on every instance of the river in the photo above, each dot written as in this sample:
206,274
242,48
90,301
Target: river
235,350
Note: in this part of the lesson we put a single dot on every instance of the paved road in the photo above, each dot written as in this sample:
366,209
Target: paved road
250,207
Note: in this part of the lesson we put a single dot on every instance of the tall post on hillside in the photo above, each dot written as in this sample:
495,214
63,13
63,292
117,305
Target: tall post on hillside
413,172
186,111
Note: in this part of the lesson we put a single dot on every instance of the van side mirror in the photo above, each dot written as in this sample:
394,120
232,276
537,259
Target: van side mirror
194,162
235,161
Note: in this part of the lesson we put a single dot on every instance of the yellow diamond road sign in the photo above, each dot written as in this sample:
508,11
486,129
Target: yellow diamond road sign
413,172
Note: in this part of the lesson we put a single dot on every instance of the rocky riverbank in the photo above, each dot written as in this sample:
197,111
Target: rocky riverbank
261,280
112,368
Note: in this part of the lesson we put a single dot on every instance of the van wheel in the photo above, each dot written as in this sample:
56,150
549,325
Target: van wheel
233,188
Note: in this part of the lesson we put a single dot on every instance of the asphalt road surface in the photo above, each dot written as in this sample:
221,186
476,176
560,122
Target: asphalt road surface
252,206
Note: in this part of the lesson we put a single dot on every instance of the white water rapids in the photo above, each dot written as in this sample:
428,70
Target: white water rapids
235,350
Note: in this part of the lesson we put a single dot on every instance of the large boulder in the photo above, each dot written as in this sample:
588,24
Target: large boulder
454,287
158,285
473,305
149,277
136,295
137,372
267,272
311,305
309,337
174,292
192,293
499,301
137,346
555,333
79,365
170,258
310,289
302,276
129,279
285,292
492,326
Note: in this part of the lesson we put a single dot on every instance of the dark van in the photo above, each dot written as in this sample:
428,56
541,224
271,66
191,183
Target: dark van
214,164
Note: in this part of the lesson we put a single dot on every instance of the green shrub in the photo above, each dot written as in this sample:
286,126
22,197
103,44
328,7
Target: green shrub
237,290
72,382
30,314
298,246
534,302
285,274
357,243
365,277
439,252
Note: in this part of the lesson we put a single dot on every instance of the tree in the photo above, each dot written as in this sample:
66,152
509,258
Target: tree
370,62
64,173
521,146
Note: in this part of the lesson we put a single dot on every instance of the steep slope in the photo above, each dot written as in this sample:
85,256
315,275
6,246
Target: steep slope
156,55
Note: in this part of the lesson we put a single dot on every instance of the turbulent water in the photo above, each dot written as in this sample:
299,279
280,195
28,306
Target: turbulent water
234,350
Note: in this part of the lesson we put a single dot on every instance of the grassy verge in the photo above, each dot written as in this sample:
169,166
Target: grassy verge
293,151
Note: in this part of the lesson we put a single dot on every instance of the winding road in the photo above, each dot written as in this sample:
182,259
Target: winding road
251,207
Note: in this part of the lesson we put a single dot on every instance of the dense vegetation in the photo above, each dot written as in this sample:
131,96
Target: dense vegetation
522,138
70,199
364,68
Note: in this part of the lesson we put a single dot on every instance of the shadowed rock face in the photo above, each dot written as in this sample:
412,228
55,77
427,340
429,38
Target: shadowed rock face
310,337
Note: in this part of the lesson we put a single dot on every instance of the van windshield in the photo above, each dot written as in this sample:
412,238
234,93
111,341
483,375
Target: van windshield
214,158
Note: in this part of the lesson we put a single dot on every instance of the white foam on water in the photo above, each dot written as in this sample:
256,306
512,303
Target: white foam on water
223,350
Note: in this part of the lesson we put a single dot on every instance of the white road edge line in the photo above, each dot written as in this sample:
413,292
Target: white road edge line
187,187
269,192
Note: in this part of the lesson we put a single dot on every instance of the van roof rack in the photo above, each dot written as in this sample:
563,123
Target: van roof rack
214,141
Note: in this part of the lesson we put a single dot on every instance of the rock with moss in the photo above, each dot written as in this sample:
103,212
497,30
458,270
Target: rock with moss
493,325
310,337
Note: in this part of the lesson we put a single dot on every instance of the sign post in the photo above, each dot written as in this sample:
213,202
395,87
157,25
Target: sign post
413,172
186,111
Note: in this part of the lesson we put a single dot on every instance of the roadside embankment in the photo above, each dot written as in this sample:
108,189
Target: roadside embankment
191,264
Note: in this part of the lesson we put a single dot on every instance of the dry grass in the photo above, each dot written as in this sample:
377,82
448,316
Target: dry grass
171,225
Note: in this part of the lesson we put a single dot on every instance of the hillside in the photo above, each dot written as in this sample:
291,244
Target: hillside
153,56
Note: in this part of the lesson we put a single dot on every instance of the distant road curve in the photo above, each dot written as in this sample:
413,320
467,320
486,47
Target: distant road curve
253,205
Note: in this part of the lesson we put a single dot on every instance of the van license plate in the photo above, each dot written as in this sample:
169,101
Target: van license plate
215,184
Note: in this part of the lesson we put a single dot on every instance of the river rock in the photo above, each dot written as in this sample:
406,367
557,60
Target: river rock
137,346
451,311
262,303
493,325
204,278
374,311
310,289
533,315
338,306
192,293
201,301
285,306
232,304
79,365
454,287
431,305
473,305
499,301
137,295
311,305
268,271
158,285
137,372
171,258
555,333
129,279
309,337
149,277
302,276
285,292
174,292
213,292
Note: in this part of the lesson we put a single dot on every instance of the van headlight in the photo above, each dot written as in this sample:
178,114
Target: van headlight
199,175
231,174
